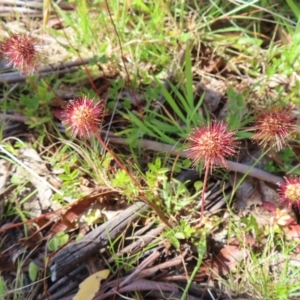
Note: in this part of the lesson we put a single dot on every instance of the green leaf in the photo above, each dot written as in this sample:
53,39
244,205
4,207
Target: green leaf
164,137
179,235
158,162
174,241
33,270
163,171
83,19
3,288
189,78
177,168
244,134
201,249
294,7
137,121
171,101
29,102
57,241
143,6
198,185
152,167
79,237
186,163
15,179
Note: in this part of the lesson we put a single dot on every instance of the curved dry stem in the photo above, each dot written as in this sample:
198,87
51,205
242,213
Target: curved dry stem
232,166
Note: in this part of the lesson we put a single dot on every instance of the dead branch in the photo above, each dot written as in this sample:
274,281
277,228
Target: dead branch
75,253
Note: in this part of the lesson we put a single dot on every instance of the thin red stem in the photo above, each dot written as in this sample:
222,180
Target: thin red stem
151,204
89,75
123,60
203,192
116,159
60,101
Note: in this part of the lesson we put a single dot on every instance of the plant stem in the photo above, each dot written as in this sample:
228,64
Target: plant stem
123,59
21,118
203,193
116,159
60,101
151,204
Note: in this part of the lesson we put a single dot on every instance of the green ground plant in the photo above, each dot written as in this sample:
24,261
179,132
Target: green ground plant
139,43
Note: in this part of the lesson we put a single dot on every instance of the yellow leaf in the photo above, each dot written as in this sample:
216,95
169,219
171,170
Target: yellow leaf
46,12
91,285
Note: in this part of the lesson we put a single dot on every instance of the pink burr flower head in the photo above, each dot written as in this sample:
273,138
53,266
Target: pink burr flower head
274,127
290,191
20,51
83,116
211,144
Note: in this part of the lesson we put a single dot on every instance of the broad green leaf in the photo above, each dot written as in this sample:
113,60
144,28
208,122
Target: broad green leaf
57,241
33,270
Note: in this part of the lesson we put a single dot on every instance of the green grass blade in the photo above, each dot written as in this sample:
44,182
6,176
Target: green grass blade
189,79
180,97
139,124
201,249
164,137
171,102
295,8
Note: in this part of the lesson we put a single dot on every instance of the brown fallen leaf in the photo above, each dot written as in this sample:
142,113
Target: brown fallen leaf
70,217
226,260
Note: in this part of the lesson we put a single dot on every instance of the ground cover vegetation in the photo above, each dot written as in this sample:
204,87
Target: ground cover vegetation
149,150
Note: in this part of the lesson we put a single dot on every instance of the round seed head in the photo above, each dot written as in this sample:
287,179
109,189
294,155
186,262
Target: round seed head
20,51
211,144
274,128
290,191
83,116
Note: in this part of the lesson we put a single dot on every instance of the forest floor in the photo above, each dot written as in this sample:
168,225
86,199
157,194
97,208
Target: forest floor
113,208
